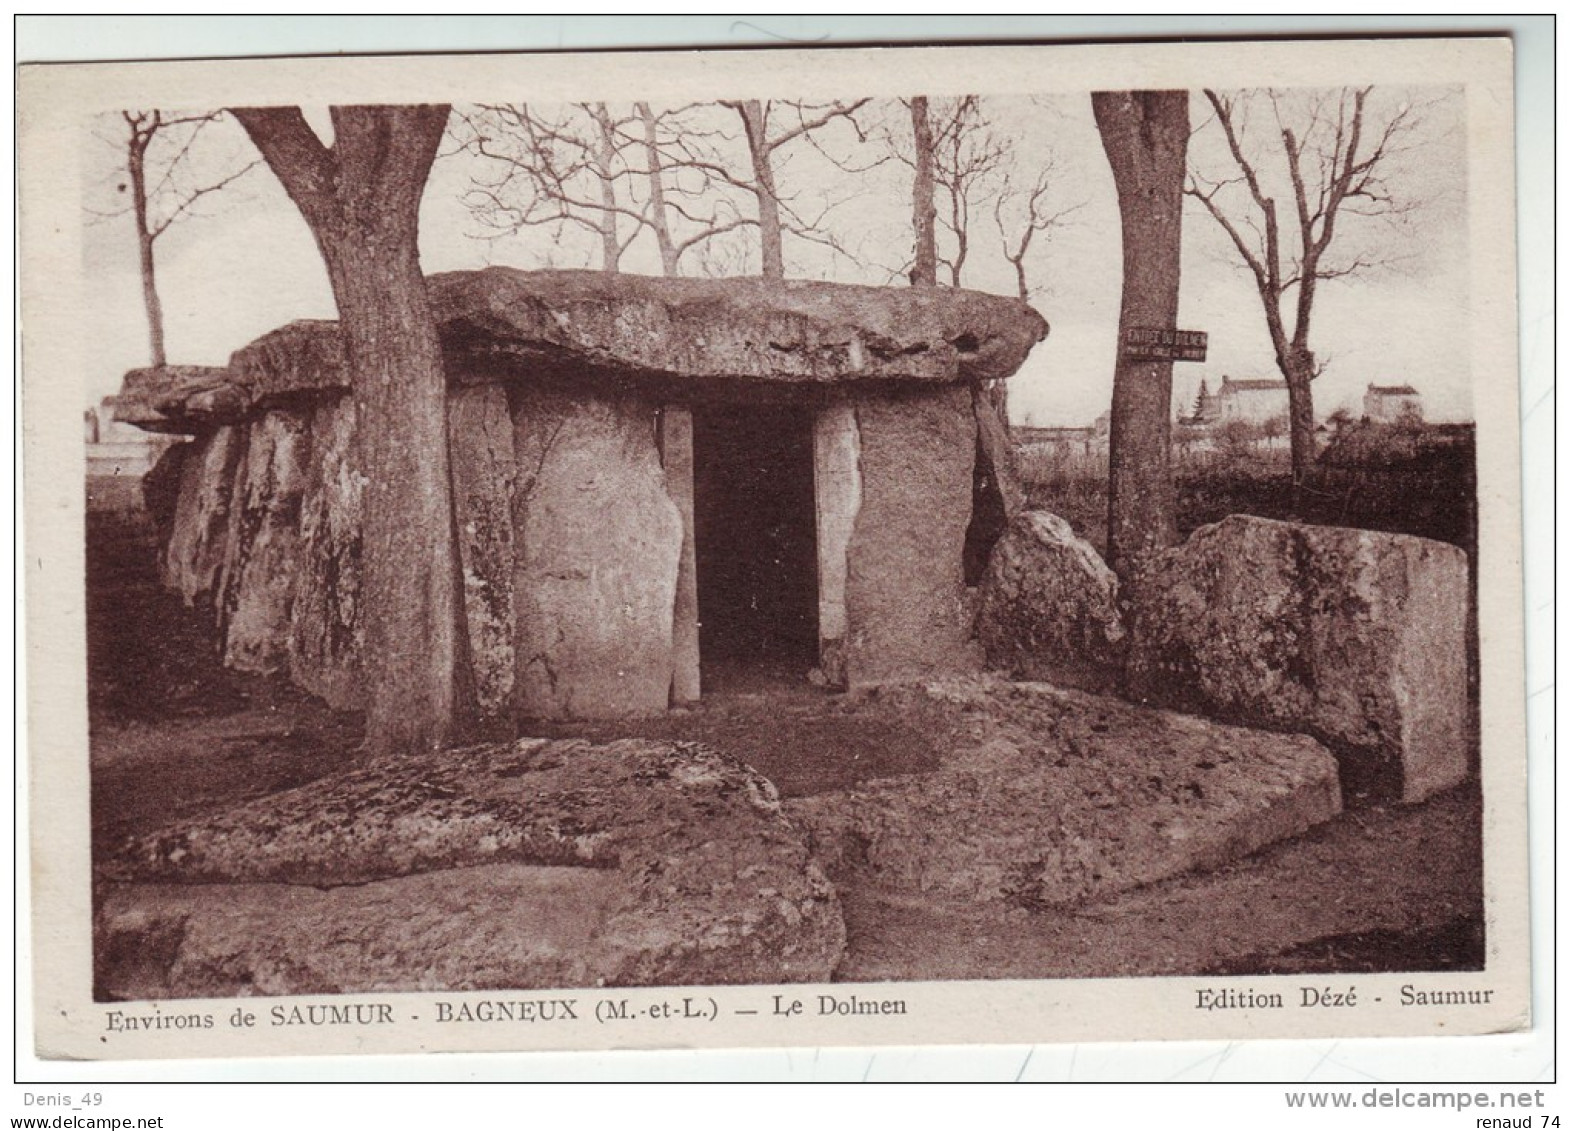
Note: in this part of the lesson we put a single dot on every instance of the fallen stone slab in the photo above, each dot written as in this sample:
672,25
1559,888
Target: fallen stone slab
1063,796
1049,607
1355,637
668,863
539,927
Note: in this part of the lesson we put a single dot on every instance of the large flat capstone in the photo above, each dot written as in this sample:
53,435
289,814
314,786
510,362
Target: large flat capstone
510,325
532,864
1353,636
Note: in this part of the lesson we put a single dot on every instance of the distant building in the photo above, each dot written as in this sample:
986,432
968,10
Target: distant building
1254,401
1390,404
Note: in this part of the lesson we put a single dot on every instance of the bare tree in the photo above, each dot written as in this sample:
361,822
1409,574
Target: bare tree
924,212
1145,135
1335,154
959,163
1024,212
670,254
776,213
166,182
967,156
554,171
360,197
690,192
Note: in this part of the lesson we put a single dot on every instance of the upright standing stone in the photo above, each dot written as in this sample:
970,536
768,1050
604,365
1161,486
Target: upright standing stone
192,562
264,541
324,619
836,457
676,452
599,549
909,612
1353,636
484,475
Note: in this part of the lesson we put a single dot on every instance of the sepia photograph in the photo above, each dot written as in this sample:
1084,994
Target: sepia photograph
779,547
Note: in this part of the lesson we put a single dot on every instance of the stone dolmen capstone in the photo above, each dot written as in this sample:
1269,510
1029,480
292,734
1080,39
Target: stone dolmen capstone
652,478
1355,637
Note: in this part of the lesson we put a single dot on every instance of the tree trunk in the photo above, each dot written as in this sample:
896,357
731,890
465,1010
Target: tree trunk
960,223
1145,135
604,167
670,258
416,638
924,210
1299,372
763,188
137,168
361,199
1020,280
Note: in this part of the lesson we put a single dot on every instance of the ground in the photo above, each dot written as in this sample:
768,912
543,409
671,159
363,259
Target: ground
174,735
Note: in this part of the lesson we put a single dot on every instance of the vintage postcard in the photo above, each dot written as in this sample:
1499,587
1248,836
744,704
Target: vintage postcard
781,547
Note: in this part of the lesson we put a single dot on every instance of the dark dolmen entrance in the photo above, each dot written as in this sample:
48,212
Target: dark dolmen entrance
754,521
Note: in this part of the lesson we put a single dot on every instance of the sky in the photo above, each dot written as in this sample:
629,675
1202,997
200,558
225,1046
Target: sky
244,262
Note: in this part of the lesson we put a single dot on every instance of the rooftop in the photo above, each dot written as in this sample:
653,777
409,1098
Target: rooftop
1252,385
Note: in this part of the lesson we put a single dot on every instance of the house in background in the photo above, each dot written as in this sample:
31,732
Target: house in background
1391,404
1253,401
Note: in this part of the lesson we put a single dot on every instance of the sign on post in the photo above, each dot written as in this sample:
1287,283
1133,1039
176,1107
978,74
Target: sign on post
1144,343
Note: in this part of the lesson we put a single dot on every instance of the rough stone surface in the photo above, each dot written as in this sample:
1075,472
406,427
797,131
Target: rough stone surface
179,398
599,546
676,453
484,475
538,930
303,357
193,556
732,330
907,606
1355,637
995,455
1049,607
1067,796
836,483
524,865
263,548
509,324
324,619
